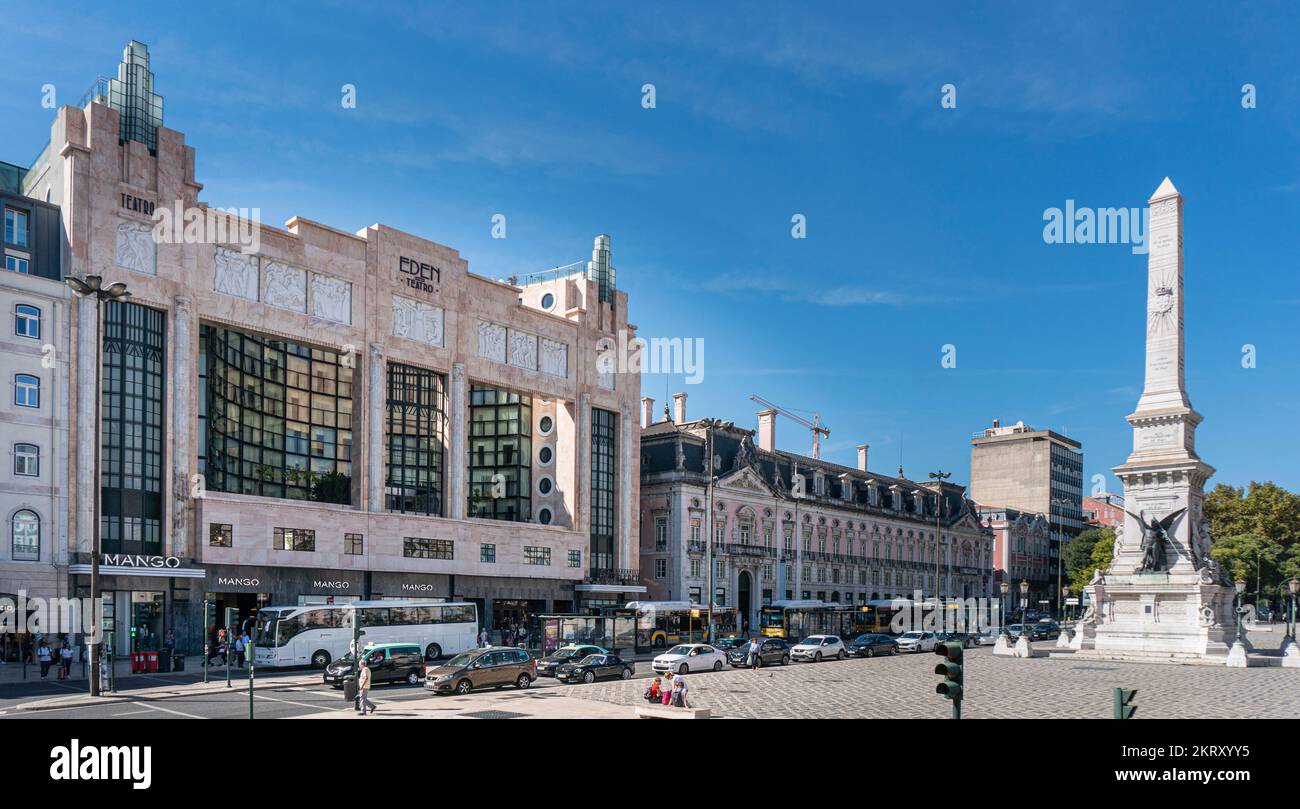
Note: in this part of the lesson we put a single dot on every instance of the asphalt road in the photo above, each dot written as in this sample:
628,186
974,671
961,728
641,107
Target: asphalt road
277,695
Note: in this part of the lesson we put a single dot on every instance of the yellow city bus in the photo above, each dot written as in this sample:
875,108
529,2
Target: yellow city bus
662,623
795,620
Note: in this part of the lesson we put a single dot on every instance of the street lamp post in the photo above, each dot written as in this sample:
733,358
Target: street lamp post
938,478
1025,631
92,286
1065,593
1294,587
1240,584
1060,547
1004,586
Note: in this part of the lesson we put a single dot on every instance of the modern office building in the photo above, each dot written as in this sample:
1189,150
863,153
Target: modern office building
307,414
851,536
1028,470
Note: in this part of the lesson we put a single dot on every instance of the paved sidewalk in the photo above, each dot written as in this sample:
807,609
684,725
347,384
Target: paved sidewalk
163,687
533,703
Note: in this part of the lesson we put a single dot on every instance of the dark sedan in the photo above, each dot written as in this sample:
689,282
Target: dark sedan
1047,630
596,667
771,652
872,644
964,638
547,666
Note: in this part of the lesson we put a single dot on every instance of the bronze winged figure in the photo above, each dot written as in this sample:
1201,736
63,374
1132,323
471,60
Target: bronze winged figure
1154,534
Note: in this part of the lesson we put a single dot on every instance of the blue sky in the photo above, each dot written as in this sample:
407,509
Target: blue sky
924,225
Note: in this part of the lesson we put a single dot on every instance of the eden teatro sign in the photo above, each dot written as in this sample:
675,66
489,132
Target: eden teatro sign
418,275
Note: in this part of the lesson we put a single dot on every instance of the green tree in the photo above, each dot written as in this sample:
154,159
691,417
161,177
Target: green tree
1262,509
1250,557
1087,552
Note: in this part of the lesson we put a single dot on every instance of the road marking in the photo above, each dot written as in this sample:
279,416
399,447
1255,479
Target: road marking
300,704
129,713
168,710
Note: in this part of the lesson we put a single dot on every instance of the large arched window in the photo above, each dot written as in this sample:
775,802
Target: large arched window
26,535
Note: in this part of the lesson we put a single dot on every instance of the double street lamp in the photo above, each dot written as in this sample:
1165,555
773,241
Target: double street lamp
92,286
1294,587
1026,631
1059,503
938,478
1240,585
1005,586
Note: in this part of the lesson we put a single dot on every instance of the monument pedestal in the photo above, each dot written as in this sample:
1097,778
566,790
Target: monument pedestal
1024,648
1002,647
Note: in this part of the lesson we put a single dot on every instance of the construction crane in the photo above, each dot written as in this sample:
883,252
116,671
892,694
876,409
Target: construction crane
815,425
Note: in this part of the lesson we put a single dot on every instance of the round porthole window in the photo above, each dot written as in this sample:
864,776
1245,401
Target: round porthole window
545,455
548,301
545,425
545,484
544,516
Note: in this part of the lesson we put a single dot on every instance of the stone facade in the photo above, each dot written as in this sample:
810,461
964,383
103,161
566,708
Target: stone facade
853,535
1022,552
371,298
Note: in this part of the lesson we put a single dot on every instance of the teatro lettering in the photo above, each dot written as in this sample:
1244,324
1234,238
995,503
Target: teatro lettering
127,560
331,585
418,275
137,204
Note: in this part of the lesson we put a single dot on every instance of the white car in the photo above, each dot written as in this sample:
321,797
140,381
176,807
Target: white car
687,657
917,641
818,648
986,638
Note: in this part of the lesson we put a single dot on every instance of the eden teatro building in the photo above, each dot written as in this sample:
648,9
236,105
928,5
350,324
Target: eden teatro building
309,414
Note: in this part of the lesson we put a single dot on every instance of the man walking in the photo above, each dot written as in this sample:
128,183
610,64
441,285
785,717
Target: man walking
363,688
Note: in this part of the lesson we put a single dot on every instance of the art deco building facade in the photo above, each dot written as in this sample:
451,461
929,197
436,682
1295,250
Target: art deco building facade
304,414
853,536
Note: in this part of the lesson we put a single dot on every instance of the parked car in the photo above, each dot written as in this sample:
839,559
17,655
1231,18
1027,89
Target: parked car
388,663
1014,631
872,644
595,667
771,652
727,644
688,657
917,641
1046,630
566,654
819,647
493,667
986,638
964,638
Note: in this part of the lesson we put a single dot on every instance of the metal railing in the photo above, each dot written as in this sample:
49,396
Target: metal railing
553,274
614,576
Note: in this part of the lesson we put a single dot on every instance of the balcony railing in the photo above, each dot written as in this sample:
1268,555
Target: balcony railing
741,549
614,576
695,547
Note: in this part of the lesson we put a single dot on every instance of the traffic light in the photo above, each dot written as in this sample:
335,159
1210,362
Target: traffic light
1124,707
953,680
232,618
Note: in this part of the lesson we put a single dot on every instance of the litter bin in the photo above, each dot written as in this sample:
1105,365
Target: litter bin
350,689
151,662
164,660
178,662
137,662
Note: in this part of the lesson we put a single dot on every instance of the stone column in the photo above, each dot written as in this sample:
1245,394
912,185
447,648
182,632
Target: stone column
87,430
182,350
375,476
626,464
459,455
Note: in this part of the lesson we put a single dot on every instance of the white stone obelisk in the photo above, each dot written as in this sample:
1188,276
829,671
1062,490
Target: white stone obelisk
1182,611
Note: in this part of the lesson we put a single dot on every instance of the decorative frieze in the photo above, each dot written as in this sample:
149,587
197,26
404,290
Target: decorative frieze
136,249
286,286
492,341
417,321
331,299
235,274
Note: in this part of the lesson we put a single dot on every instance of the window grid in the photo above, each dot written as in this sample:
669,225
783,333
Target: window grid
27,460
417,420
221,535
603,458
534,555
354,544
27,321
500,445
294,539
420,548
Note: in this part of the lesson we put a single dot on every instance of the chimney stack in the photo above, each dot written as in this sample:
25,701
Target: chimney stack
767,430
679,408
647,411
862,456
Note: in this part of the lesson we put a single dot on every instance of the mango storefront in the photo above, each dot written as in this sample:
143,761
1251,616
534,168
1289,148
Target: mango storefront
147,599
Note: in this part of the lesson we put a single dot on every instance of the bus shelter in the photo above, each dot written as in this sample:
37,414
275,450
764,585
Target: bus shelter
615,631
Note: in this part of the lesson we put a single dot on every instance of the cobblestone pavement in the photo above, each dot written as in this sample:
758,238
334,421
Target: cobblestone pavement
997,687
